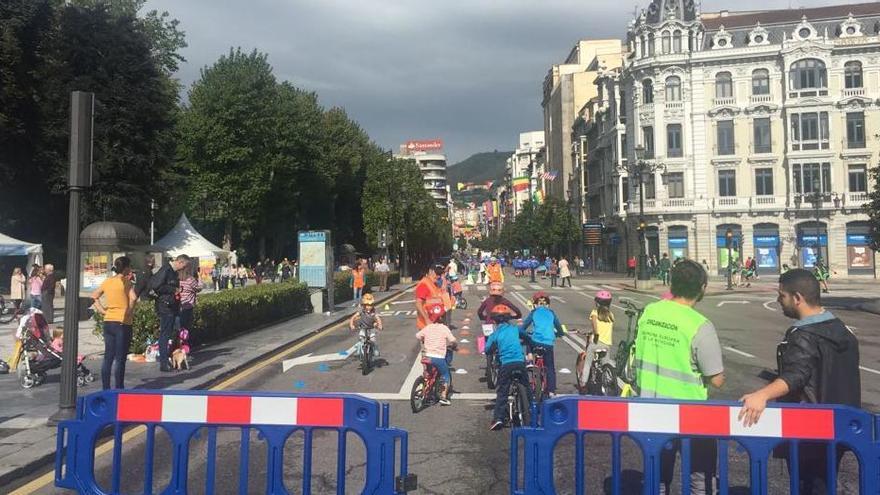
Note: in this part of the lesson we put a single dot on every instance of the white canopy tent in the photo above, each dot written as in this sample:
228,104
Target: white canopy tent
10,246
185,239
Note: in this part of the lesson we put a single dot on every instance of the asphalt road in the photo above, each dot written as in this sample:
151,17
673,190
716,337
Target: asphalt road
450,448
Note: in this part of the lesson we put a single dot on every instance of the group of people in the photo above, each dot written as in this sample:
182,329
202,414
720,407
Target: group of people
232,275
38,289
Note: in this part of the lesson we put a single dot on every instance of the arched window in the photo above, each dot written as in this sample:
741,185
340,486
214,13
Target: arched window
647,91
761,82
676,42
650,44
673,88
723,85
852,75
667,42
808,73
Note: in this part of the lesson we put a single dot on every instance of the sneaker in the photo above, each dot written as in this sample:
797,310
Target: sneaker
445,402
496,425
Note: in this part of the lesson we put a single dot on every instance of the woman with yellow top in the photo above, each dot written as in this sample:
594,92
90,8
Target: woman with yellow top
119,297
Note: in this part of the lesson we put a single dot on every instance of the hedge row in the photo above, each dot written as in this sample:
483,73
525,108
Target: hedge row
219,315
342,284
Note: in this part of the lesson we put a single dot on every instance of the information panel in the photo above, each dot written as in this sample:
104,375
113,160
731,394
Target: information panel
314,257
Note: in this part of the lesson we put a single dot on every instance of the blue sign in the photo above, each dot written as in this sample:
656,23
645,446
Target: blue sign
313,258
857,240
722,241
678,242
312,236
810,240
766,240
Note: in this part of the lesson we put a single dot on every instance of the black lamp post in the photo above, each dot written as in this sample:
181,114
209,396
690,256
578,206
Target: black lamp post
817,203
728,238
640,169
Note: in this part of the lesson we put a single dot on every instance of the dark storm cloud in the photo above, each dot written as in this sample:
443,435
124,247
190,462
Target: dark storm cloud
467,71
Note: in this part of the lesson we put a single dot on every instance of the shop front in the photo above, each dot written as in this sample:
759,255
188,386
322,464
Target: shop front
812,241
859,255
766,241
678,242
722,248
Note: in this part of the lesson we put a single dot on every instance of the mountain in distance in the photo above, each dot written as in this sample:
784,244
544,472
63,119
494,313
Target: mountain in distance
477,168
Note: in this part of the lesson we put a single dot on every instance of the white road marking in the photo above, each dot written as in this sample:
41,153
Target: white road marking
741,353
308,358
535,286
614,287
869,370
404,302
722,303
574,287
567,339
593,287
414,373
768,307
518,287
559,299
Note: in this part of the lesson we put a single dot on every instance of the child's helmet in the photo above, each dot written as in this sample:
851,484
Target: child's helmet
540,295
496,289
367,300
501,313
603,297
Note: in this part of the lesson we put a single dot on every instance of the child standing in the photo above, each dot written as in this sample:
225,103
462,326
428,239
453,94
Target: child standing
602,321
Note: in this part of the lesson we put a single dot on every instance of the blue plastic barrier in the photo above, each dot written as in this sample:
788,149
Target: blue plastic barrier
274,416
653,423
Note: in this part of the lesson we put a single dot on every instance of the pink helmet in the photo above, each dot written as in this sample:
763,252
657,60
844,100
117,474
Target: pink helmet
603,297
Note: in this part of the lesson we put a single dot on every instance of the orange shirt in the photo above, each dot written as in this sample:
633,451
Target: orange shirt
116,290
495,273
426,289
357,278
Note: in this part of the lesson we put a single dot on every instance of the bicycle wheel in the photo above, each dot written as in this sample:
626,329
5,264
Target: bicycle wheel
580,376
417,395
537,383
366,357
520,413
491,372
7,310
608,382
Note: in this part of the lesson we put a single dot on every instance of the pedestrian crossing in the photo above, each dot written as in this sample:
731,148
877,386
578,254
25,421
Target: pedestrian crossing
525,286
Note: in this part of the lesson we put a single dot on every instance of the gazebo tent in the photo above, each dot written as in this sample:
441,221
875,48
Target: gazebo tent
185,239
10,246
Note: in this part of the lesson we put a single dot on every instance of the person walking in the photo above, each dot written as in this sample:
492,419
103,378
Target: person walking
35,286
553,271
215,276
190,286
631,266
577,266
357,282
224,276
165,283
119,295
47,290
242,275
17,283
818,363
564,272
677,356
383,269
286,271
258,273
665,266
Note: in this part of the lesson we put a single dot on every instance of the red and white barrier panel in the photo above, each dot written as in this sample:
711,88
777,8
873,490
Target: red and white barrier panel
230,410
696,419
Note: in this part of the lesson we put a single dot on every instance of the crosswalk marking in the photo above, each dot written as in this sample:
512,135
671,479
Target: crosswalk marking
609,286
518,287
592,287
574,287
535,286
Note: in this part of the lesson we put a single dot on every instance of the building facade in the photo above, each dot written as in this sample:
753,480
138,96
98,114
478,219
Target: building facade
523,169
759,124
433,168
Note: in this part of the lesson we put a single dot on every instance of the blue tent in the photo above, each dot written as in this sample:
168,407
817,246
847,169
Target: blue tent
13,247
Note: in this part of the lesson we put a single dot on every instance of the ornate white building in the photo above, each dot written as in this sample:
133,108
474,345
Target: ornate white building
761,121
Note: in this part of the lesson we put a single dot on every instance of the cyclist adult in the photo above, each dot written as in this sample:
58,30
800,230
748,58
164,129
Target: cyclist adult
506,341
432,288
436,339
545,329
494,271
677,356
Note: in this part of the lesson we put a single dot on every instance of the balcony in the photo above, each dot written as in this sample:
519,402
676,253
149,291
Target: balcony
677,203
850,92
730,203
726,101
755,99
674,105
857,199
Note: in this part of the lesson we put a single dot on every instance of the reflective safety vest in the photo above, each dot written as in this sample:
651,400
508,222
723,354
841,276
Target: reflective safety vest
663,352
495,273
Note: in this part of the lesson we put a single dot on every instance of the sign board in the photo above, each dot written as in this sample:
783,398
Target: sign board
593,233
426,145
315,258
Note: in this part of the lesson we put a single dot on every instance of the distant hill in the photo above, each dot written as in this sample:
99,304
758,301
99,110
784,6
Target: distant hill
477,168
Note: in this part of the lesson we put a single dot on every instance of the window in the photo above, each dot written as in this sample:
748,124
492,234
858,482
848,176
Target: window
727,182
625,185
855,130
764,181
673,88
809,131
858,178
676,42
667,39
761,82
723,85
648,135
650,185
651,44
675,184
807,175
673,140
725,142
623,145
762,135
808,74
852,75
648,91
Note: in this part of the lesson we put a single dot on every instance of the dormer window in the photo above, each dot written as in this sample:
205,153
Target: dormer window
808,77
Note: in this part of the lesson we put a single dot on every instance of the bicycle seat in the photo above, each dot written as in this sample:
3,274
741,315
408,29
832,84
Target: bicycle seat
601,353
539,351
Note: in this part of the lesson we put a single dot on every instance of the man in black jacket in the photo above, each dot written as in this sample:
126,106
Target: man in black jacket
165,284
818,362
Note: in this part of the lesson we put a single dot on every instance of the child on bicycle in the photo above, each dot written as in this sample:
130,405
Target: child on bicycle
367,323
436,338
506,340
545,329
600,338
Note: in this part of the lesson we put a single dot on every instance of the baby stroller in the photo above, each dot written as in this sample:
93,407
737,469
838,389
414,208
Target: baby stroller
37,356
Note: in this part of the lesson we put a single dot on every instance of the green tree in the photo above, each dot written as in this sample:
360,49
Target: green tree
873,210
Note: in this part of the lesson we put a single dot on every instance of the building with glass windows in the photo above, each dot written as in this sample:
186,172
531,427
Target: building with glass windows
759,123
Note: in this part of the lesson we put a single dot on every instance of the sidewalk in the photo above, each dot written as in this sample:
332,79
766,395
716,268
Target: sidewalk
28,444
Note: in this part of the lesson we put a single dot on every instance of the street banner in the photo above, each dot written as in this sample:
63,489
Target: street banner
520,184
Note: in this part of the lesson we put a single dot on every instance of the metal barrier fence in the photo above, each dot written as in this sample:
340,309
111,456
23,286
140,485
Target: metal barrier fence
653,424
275,417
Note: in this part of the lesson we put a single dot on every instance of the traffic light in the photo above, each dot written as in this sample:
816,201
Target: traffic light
383,239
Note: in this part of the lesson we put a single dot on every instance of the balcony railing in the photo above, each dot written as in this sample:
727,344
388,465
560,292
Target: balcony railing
764,200
856,198
848,92
760,99
674,105
678,203
725,100
727,201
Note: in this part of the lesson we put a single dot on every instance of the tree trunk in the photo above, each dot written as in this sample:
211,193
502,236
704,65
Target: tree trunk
262,246
227,236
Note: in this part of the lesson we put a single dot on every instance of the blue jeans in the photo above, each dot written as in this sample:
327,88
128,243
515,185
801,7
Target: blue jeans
36,301
502,389
358,292
117,338
442,369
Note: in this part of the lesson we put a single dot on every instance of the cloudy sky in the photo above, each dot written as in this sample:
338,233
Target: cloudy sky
466,71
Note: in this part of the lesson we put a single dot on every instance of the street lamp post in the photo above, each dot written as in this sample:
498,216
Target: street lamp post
817,203
641,168
728,237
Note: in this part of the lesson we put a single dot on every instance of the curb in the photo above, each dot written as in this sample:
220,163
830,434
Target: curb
10,477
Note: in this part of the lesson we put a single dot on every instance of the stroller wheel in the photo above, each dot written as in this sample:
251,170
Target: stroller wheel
81,381
27,380
90,378
40,378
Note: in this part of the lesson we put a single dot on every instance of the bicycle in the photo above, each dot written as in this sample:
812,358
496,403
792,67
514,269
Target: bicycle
626,349
367,349
602,377
538,375
8,311
518,404
428,388
492,362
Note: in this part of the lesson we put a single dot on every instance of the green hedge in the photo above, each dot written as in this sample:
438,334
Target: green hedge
342,284
219,315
